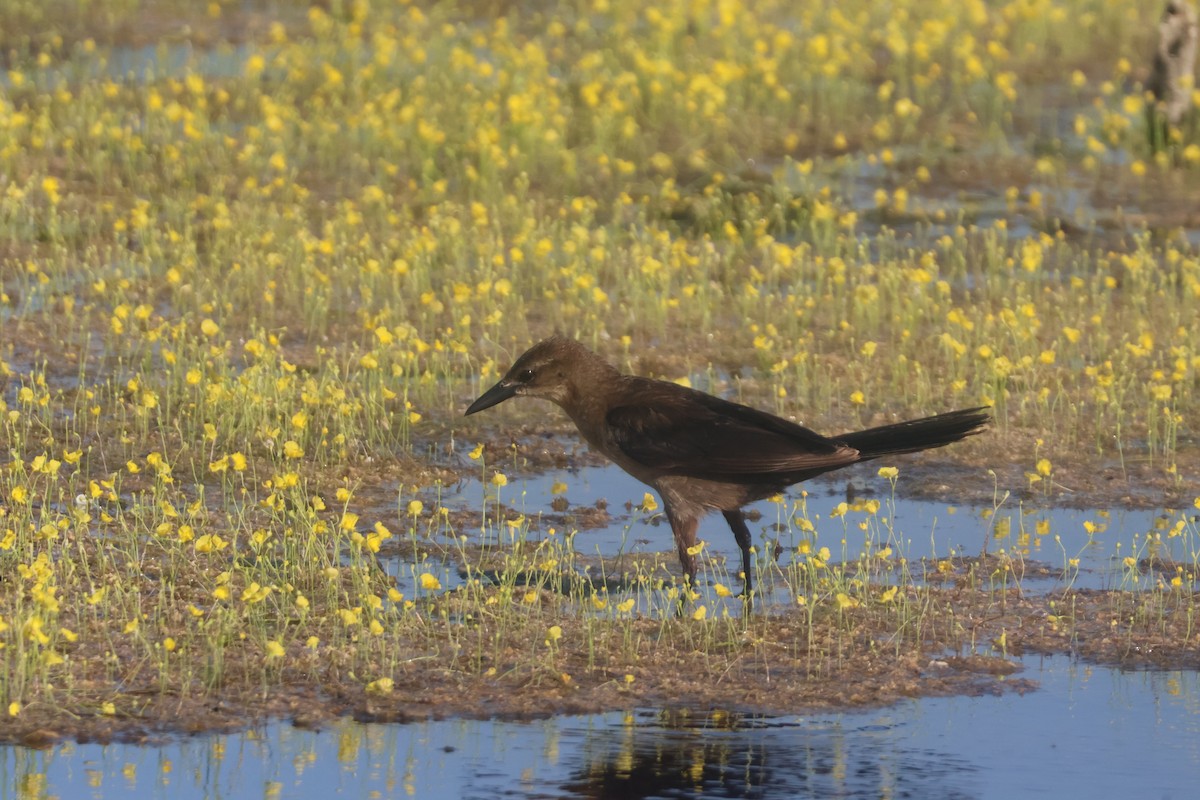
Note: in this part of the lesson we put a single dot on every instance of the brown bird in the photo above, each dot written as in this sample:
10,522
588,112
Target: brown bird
699,452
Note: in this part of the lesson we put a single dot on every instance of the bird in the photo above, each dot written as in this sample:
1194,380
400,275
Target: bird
702,453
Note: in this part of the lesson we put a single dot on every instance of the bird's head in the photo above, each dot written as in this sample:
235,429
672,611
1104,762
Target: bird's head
544,370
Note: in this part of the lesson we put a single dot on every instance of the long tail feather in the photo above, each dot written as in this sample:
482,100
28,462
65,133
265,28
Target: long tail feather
918,434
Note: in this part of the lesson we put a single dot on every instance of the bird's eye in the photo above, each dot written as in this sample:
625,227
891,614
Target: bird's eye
525,375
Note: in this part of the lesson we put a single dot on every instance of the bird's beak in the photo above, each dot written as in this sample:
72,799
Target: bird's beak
493,396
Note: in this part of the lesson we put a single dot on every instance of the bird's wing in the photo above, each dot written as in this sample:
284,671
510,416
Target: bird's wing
697,435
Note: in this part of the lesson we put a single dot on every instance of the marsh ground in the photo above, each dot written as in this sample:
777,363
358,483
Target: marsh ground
257,257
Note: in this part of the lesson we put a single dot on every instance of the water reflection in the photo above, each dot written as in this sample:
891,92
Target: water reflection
760,758
1088,732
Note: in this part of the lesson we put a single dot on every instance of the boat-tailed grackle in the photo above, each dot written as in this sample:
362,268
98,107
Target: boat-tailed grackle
699,452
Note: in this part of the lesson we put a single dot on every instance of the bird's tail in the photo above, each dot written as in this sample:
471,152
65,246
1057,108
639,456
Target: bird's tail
918,434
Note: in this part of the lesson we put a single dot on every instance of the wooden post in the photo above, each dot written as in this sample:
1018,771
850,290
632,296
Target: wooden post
1172,76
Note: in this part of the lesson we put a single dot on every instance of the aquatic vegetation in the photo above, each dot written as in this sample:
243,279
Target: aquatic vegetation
249,279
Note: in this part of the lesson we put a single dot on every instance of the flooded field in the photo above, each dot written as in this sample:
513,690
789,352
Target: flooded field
1059,547
257,258
1044,741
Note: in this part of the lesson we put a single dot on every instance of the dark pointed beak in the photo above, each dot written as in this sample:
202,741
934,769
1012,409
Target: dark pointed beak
493,396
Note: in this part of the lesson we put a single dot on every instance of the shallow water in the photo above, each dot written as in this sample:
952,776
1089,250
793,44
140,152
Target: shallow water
1088,732
915,529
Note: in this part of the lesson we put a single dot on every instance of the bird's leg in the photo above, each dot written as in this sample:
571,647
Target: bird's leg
737,522
684,529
